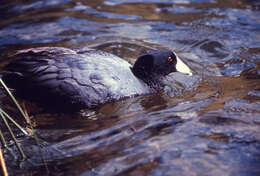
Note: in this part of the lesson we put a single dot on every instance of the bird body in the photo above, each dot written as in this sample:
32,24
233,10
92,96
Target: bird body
77,79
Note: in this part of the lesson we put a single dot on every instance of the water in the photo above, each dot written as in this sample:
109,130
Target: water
210,128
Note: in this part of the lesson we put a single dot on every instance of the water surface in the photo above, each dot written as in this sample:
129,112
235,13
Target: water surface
209,128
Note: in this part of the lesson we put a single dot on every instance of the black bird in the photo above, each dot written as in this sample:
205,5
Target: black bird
70,80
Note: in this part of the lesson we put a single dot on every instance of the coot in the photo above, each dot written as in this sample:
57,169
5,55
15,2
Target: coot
69,80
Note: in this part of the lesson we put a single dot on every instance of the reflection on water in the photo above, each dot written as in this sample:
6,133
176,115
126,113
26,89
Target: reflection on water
206,124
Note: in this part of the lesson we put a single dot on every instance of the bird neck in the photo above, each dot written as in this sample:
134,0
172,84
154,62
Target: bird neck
150,79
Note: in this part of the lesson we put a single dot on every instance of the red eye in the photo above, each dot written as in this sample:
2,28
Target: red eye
169,59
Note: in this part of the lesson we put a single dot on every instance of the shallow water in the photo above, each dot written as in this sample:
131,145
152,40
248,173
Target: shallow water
211,128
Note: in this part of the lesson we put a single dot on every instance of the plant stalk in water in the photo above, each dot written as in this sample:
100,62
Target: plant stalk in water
2,161
13,136
14,100
14,122
3,141
3,114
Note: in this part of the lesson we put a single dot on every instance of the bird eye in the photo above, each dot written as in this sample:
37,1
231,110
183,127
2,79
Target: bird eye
169,59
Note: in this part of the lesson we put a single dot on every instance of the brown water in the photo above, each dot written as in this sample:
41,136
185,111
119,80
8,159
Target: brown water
213,128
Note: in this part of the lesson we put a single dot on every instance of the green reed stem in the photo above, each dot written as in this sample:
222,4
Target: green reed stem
14,122
13,136
15,102
2,139
27,121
